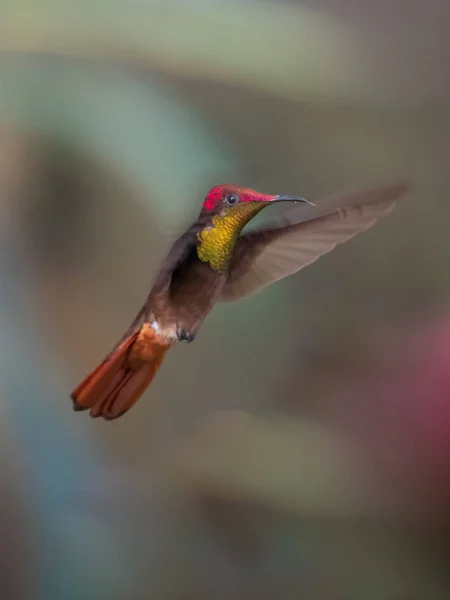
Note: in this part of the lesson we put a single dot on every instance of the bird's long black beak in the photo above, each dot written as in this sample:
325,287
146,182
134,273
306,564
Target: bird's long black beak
291,199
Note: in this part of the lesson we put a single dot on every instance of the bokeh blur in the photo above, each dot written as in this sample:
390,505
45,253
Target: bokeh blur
300,448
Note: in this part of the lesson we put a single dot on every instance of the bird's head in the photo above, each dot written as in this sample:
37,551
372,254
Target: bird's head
230,200
225,212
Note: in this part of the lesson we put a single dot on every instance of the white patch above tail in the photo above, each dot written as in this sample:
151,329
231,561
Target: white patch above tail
169,332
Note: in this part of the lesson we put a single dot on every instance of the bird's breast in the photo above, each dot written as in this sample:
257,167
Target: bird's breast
189,299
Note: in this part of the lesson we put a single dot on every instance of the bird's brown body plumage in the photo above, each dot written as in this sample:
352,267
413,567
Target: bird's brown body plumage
213,261
183,294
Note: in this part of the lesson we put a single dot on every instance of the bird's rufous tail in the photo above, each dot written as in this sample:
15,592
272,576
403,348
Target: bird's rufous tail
119,381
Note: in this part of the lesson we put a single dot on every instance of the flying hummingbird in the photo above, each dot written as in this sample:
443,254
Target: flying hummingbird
214,261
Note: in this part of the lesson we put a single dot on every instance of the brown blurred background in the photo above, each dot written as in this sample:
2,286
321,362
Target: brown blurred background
299,449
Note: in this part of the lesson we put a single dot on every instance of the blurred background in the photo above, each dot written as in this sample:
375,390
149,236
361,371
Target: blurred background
301,447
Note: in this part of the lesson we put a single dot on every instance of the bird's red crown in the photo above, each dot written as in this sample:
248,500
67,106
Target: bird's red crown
219,194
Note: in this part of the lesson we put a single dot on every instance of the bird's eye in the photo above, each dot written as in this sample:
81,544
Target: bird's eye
232,198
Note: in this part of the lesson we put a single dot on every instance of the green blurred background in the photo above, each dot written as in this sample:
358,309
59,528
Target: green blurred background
299,449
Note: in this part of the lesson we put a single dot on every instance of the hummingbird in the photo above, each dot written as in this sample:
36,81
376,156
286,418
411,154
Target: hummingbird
216,261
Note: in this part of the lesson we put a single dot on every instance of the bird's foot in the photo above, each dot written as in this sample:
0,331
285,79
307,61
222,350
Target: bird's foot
184,336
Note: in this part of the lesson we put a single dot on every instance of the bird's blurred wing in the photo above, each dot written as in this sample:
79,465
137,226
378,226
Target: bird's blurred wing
263,256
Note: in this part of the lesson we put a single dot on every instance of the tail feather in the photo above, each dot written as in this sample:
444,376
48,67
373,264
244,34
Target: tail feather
118,382
129,392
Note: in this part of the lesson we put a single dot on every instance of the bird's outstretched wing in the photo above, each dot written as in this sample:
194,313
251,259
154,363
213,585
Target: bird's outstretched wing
266,255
